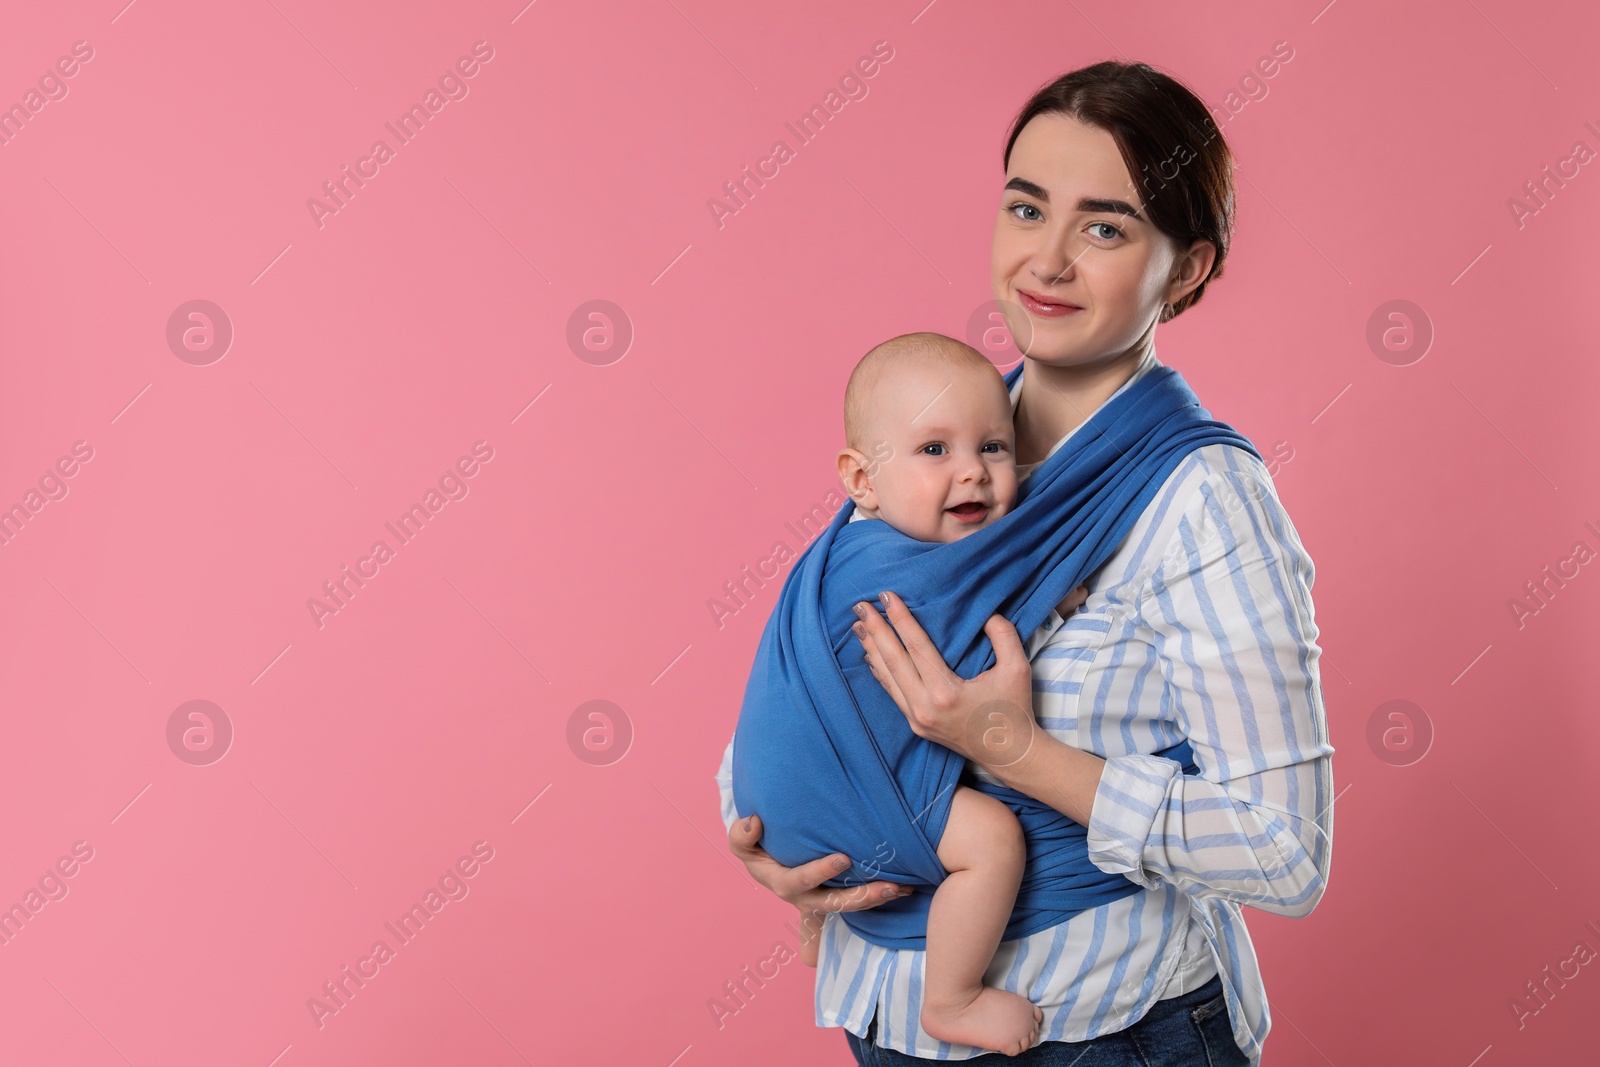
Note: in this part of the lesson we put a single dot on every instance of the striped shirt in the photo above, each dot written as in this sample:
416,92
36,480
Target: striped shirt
1199,626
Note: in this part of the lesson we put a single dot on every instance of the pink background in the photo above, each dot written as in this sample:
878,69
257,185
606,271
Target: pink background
372,352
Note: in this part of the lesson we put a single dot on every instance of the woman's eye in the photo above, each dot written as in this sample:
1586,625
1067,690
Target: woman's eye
926,449
1035,217
1115,233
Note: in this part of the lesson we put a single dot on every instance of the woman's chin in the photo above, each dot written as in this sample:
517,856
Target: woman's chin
1059,356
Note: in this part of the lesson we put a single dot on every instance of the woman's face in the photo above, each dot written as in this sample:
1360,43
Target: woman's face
1080,272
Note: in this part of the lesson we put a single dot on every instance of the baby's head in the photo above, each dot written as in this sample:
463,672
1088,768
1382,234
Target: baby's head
930,445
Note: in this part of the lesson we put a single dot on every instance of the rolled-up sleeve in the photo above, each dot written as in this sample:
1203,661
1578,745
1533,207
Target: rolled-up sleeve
1228,611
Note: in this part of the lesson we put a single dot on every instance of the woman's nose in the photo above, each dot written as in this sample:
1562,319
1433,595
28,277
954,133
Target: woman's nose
1054,260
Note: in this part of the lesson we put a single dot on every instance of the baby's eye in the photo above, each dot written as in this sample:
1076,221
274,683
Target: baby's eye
994,446
935,445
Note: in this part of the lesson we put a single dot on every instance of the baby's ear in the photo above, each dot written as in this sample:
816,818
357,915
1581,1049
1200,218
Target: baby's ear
853,473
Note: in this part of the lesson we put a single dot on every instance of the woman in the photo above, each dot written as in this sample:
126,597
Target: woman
1116,212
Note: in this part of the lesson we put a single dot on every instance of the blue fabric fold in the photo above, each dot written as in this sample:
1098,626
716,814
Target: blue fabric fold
829,762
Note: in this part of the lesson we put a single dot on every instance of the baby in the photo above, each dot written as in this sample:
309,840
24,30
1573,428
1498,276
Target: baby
928,427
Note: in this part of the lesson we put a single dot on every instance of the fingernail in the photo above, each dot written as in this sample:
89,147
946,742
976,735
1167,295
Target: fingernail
840,864
860,609
859,629
747,823
889,894
884,596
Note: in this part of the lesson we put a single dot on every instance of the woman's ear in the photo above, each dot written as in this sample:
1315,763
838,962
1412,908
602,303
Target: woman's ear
1190,270
853,473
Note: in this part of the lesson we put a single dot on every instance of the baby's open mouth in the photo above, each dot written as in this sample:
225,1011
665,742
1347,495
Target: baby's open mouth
973,509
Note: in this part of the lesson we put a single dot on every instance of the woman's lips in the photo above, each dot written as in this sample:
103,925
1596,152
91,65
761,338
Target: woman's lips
1044,309
969,512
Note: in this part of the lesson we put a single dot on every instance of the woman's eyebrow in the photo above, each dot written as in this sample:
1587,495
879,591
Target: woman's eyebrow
1120,207
1023,185
1038,192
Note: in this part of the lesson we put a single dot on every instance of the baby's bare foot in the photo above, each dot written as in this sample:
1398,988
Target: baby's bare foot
993,1019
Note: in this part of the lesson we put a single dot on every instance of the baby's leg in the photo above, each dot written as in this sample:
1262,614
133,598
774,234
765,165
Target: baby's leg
982,849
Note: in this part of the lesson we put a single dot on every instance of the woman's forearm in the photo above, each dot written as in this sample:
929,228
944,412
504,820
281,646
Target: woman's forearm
1055,773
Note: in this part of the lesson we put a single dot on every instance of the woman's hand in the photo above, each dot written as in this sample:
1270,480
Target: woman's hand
988,719
802,886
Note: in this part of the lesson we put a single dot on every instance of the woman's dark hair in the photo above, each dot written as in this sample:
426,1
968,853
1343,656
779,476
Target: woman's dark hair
1169,143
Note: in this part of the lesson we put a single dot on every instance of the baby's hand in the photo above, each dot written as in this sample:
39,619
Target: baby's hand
1073,602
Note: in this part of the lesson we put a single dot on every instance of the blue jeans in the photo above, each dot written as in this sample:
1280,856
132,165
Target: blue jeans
1191,1030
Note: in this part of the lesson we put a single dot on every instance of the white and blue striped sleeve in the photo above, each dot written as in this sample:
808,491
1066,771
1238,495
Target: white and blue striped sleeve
725,786
1228,613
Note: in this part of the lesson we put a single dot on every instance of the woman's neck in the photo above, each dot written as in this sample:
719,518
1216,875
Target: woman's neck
1054,401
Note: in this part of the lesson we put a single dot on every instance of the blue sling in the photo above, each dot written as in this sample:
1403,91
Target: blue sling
829,762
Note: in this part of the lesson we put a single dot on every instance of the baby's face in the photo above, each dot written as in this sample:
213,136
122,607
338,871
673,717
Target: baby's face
951,466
